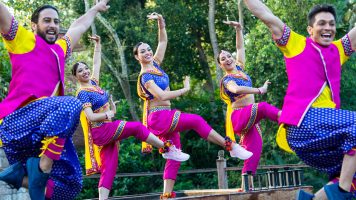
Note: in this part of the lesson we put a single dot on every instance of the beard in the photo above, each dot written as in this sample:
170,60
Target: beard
42,34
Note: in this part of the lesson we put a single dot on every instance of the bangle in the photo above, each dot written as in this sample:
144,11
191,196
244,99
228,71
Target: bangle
259,91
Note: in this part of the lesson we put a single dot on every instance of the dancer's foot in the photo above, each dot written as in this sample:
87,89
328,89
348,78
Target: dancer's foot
333,192
175,154
13,175
303,195
238,151
37,180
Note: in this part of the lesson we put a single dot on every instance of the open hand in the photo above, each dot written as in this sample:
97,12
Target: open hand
95,38
234,24
264,88
154,15
186,82
101,5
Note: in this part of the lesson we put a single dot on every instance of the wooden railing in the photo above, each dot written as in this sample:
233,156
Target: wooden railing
271,177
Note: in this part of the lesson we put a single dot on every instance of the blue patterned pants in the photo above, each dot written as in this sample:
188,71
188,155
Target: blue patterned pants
323,138
22,132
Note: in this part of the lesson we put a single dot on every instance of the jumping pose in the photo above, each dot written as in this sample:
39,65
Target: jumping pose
105,133
37,121
313,126
243,114
153,87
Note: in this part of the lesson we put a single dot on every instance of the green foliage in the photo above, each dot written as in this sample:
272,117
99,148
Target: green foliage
187,23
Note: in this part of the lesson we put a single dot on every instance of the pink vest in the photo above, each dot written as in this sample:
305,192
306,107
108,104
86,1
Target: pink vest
34,74
307,72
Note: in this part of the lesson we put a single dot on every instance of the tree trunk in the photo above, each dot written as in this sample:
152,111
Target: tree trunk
122,77
204,63
214,40
241,15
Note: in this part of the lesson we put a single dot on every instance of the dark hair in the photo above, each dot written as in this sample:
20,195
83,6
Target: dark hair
75,67
218,57
318,9
135,49
36,13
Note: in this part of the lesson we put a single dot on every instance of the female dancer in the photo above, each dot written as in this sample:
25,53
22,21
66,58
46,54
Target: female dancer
107,133
153,87
243,114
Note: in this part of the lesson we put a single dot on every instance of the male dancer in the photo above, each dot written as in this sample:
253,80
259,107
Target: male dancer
36,121
320,133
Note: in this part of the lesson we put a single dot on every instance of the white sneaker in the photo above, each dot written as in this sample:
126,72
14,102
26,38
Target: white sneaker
240,152
175,154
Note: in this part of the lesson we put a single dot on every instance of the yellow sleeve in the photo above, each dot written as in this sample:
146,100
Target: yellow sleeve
291,44
344,47
19,40
65,44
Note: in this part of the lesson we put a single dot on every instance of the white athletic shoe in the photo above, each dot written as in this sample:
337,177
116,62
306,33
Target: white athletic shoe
240,152
175,154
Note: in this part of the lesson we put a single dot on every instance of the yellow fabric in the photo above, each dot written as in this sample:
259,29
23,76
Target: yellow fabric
228,123
343,57
145,147
47,141
92,151
323,101
295,45
25,41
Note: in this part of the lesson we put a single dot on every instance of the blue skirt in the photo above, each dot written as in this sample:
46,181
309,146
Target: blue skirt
323,138
22,132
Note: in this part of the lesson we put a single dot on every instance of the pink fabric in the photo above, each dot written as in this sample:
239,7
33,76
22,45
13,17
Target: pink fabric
109,154
32,77
252,137
307,74
104,134
49,189
160,123
53,150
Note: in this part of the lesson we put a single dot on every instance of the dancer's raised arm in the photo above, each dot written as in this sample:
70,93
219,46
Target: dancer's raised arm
79,26
240,47
262,12
352,36
162,37
5,19
96,56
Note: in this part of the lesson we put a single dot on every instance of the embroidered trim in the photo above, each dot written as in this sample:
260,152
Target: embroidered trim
119,130
86,105
69,46
158,108
346,43
13,30
252,119
174,121
285,37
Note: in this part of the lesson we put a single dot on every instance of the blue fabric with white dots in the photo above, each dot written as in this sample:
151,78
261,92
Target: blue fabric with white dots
22,132
324,136
97,98
161,81
238,81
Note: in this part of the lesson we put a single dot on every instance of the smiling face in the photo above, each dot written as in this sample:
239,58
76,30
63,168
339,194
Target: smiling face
323,29
47,26
82,73
144,54
226,61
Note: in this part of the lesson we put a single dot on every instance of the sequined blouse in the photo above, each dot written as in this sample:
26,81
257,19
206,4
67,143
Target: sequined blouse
240,80
160,78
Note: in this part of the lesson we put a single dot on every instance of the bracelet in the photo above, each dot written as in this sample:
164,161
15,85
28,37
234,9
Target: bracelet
107,117
259,91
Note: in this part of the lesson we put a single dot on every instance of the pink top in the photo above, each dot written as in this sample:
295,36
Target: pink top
309,71
35,73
